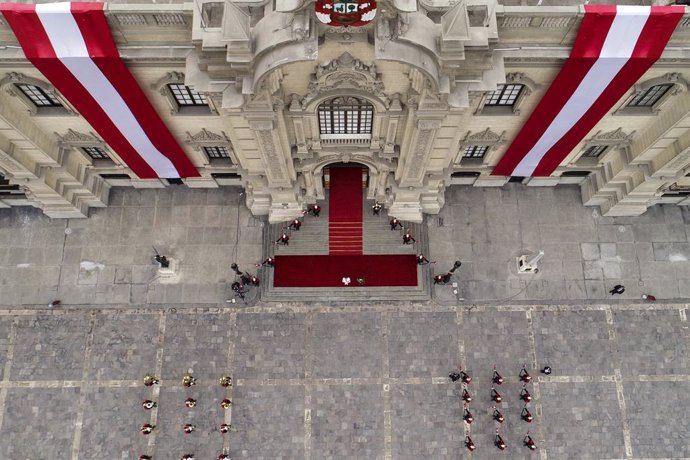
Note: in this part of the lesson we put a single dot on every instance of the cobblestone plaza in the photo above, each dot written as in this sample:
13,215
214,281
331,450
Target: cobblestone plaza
334,380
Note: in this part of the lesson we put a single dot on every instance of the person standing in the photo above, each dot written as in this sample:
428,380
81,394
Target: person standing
408,238
148,404
617,289
395,223
376,208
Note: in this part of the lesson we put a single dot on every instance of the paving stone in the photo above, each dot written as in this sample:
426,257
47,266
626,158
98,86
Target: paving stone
659,425
124,346
270,346
171,440
426,422
41,424
347,345
279,411
197,344
593,409
5,325
495,338
347,422
50,348
652,342
573,343
116,436
422,344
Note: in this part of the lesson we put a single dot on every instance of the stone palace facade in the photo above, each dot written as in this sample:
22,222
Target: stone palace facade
262,95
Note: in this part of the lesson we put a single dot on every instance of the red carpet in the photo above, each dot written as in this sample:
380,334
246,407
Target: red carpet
328,271
345,211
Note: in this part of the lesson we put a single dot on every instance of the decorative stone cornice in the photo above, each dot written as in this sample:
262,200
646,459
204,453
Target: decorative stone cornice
346,72
76,139
486,137
206,138
616,138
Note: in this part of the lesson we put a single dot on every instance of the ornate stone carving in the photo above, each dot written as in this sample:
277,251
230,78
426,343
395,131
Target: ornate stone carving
345,72
424,138
486,137
76,139
206,138
616,138
268,148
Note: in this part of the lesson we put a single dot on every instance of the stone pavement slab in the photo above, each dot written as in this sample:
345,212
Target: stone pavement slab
196,344
347,422
427,422
653,342
347,345
124,416
125,344
270,346
422,344
576,342
659,424
40,422
582,420
279,411
368,383
50,347
496,338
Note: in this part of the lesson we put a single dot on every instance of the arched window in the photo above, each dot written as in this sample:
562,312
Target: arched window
345,116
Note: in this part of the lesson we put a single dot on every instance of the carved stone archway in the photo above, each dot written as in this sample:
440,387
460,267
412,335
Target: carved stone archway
312,173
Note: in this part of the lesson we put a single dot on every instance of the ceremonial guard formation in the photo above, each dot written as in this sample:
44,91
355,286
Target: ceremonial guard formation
464,378
188,381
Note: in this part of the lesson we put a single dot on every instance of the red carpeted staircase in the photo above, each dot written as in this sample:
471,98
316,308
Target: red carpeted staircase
345,212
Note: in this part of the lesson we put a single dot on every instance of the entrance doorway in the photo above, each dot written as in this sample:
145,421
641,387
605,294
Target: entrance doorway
326,177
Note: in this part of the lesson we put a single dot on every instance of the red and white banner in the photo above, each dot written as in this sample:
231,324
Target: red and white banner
71,44
614,47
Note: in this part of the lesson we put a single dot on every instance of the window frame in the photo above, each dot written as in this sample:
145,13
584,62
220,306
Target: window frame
101,154
513,79
502,89
186,96
595,151
345,120
473,149
644,93
163,86
12,84
224,152
675,83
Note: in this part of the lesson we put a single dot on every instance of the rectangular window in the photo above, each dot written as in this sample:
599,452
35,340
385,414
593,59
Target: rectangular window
217,152
475,151
95,153
505,95
346,115
38,96
595,151
650,96
186,96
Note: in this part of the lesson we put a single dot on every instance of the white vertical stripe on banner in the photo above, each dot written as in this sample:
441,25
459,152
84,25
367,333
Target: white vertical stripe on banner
70,48
617,49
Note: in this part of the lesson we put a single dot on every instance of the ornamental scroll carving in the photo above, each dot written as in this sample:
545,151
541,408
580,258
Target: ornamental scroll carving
424,138
206,138
346,72
268,148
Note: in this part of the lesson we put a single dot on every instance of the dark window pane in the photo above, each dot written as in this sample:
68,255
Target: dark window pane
186,96
650,96
346,115
505,95
475,151
96,153
38,96
217,152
